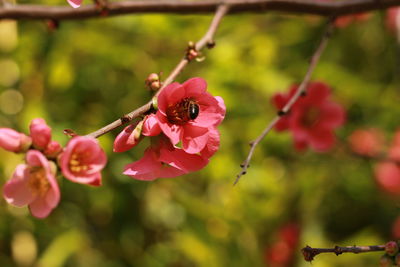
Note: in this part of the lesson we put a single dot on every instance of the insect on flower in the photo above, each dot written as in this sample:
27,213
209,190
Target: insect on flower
187,109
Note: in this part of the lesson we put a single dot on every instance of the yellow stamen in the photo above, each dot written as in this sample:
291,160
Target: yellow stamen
38,182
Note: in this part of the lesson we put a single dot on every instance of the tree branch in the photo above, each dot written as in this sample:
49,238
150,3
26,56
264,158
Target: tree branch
300,91
324,8
207,39
309,253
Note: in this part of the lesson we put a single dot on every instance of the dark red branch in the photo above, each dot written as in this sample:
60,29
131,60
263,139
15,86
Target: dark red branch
309,253
324,8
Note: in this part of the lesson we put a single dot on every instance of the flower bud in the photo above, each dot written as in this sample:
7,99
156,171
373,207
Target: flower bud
153,82
14,141
26,143
53,149
391,248
40,133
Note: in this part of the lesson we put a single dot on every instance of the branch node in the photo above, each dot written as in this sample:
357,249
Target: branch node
211,44
281,113
125,119
191,52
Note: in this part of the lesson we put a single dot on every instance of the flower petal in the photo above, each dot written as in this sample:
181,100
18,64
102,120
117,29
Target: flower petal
75,3
212,111
195,87
39,208
151,126
169,95
194,138
173,131
181,160
144,169
16,190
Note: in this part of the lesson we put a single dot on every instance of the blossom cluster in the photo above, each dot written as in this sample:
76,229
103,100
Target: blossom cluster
312,119
34,183
182,132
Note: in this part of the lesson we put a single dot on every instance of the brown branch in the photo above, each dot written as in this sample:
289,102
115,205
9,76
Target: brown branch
309,253
205,40
300,91
324,8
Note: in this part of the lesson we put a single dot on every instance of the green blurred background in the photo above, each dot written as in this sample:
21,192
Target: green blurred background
88,73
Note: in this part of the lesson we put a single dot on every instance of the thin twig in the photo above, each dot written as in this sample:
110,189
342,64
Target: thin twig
309,253
206,39
300,90
324,8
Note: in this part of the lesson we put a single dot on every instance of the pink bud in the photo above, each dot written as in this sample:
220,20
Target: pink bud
53,149
391,248
128,138
14,141
40,133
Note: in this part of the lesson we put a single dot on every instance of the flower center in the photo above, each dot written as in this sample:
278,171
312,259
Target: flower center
183,111
38,182
76,164
311,116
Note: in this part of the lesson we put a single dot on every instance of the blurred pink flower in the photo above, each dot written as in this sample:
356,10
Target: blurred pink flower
82,161
14,141
75,3
33,184
312,119
387,175
40,133
344,21
393,19
163,160
186,113
368,142
129,137
396,228
282,253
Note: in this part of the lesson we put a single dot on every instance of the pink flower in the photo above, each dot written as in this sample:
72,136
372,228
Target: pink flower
393,19
344,21
14,141
82,161
75,3
387,175
40,133
163,160
396,228
186,113
128,138
282,252
366,142
312,119
33,184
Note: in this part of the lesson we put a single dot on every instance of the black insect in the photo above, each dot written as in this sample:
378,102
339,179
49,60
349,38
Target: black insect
193,110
